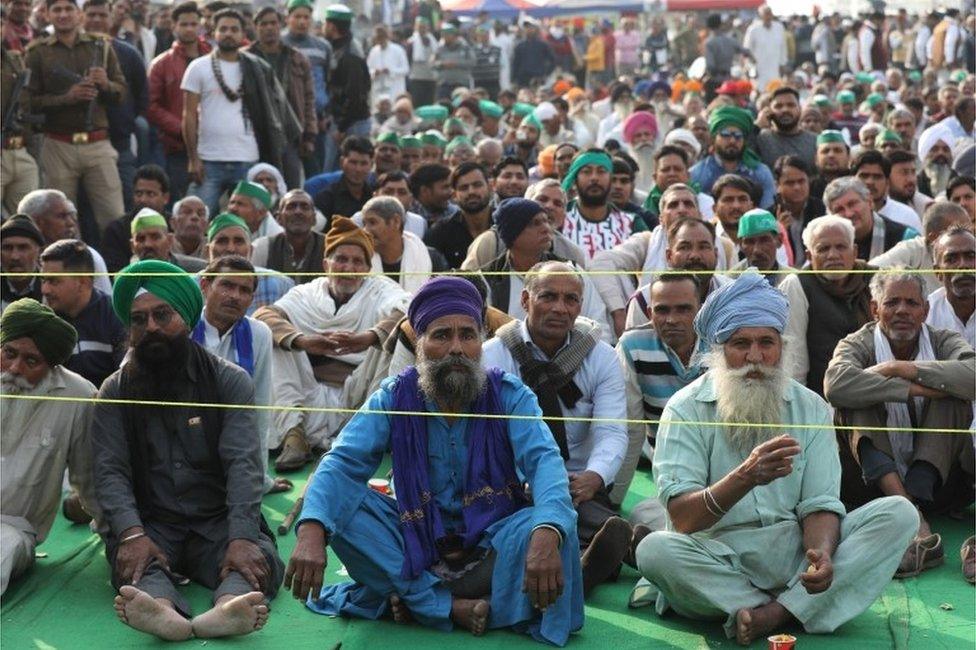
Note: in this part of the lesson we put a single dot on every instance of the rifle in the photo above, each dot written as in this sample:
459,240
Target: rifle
97,55
11,117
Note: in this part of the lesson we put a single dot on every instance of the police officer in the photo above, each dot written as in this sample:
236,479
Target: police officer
18,170
73,77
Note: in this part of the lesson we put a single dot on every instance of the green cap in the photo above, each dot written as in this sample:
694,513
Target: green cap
522,109
255,191
338,13
433,137
299,4
830,135
864,78
531,120
452,123
821,100
147,218
432,113
757,221
490,108
389,137
915,75
226,220
459,141
411,142
958,76
887,135
874,99
846,97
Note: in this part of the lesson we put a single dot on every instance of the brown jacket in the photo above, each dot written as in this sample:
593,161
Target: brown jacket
298,85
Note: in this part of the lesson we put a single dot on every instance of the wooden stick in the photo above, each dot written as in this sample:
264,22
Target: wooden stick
285,525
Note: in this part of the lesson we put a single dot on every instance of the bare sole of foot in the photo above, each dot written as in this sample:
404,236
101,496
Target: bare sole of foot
752,624
142,612
472,615
239,615
401,615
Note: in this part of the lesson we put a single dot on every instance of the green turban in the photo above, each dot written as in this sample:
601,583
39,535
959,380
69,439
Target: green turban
389,138
522,109
338,13
887,135
255,191
757,221
846,97
226,220
490,109
432,113
864,78
433,137
830,135
411,142
459,141
533,121
299,4
821,100
453,123
165,281
600,158
874,99
27,318
741,119
147,218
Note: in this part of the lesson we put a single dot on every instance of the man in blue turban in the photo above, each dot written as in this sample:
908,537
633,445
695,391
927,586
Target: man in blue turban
746,464
461,544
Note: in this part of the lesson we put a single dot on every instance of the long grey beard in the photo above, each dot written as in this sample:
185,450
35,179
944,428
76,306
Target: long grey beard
12,384
938,174
17,411
644,155
746,403
441,382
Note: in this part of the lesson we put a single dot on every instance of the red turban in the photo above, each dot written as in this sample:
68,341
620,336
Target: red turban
639,120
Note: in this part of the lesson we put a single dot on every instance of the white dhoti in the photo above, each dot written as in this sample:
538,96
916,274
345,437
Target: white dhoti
17,541
295,385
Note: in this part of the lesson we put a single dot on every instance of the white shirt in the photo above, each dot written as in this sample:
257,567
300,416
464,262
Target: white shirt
921,45
768,47
269,228
865,40
943,316
901,213
593,446
393,59
225,135
951,42
413,222
101,281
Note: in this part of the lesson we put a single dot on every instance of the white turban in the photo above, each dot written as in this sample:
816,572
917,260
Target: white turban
683,136
930,136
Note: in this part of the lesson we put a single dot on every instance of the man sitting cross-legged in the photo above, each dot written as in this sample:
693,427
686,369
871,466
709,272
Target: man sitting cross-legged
180,487
460,544
759,537
561,358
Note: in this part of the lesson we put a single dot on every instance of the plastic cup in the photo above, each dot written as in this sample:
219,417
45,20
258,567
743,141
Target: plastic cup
781,642
381,485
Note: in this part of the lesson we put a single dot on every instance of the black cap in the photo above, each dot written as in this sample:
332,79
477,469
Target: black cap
20,225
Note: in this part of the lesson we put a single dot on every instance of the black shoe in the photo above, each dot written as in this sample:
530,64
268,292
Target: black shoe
606,552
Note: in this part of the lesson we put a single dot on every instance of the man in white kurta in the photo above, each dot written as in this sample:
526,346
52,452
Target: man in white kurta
766,39
321,331
952,306
38,439
388,66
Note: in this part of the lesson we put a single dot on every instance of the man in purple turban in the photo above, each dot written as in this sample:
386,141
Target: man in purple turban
461,544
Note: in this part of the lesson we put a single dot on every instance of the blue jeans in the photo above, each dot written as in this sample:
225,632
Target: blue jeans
331,162
176,163
126,165
218,176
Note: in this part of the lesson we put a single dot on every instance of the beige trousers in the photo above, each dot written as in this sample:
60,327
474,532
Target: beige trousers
65,165
18,176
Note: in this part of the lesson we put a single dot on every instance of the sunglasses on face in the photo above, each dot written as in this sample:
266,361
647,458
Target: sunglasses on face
732,134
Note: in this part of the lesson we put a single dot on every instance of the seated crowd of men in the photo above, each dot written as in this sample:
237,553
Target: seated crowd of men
745,310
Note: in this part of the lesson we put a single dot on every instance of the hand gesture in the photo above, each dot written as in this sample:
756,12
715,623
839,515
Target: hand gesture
132,558
771,460
351,342
245,557
98,77
820,575
583,486
320,344
306,568
81,92
543,569
784,216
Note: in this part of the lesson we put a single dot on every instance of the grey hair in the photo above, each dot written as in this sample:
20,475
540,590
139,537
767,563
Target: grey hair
841,186
937,215
190,197
818,225
680,187
899,113
39,202
881,281
537,188
385,207
540,271
489,142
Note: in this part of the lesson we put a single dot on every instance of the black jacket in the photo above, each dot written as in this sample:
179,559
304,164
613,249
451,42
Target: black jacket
275,123
349,86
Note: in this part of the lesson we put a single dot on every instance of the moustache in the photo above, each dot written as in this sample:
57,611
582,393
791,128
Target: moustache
14,384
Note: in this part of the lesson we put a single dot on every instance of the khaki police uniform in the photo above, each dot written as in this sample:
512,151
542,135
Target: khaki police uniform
18,169
76,144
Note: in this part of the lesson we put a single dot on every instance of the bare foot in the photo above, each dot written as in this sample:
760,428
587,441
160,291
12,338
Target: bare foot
752,624
142,612
401,614
470,614
233,617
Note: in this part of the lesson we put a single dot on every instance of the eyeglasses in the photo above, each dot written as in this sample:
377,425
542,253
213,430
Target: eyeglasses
732,134
162,316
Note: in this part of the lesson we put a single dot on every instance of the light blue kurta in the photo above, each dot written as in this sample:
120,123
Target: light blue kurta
755,552
365,533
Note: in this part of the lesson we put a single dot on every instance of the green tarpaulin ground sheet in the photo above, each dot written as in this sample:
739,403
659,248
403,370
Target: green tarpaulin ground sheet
65,602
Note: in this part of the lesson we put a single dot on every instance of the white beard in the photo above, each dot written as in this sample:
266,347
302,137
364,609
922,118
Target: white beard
938,174
12,384
748,402
644,155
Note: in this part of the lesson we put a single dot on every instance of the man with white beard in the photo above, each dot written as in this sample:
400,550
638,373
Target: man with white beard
39,439
757,526
640,134
935,152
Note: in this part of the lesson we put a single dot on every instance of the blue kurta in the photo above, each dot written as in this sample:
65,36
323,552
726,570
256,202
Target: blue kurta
364,525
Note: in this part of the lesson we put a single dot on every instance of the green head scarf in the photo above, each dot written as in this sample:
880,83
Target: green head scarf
226,220
411,142
147,218
757,221
741,119
830,135
433,137
887,135
846,97
458,141
299,4
255,191
874,99
600,158
165,281
522,109
490,108
432,113
389,138
26,318
453,123
533,121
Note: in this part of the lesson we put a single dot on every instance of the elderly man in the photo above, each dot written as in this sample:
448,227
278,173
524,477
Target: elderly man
916,253
298,250
759,239
200,514
101,338
40,439
321,331
828,304
952,305
757,529
252,203
189,222
20,249
671,164
730,126
229,235
873,234
935,153
476,554
574,375
400,255
152,240
640,136
898,374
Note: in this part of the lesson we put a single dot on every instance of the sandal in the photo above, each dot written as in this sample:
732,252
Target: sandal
968,555
924,553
